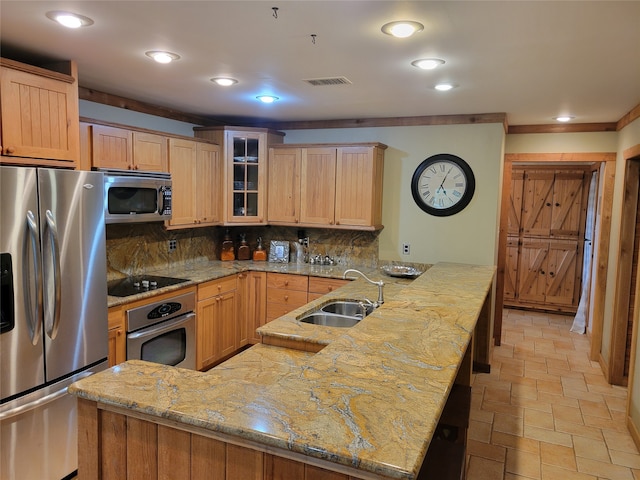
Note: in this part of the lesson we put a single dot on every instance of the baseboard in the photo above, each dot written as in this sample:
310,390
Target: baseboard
633,430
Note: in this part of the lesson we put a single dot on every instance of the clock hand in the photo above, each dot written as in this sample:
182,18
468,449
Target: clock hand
441,185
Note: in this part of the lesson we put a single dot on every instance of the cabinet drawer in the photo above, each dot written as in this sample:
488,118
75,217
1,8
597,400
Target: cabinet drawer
276,310
325,285
216,287
287,281
287,297
115,318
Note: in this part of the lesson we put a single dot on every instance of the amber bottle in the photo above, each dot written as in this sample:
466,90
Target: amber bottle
227,253
243,250
259,254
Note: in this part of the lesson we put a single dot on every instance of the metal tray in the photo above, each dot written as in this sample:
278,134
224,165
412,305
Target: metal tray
403,271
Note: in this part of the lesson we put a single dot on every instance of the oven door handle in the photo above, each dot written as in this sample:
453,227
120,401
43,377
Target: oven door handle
162,327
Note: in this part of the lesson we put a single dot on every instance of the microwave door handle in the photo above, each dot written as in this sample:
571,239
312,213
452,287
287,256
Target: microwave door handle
53,321
160,199
34,309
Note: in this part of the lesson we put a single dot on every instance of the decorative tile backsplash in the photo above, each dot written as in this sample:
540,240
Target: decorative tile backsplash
135,248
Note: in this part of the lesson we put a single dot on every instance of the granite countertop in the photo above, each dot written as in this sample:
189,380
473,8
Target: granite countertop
370,399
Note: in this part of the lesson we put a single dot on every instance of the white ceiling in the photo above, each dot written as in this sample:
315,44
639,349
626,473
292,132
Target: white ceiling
532,60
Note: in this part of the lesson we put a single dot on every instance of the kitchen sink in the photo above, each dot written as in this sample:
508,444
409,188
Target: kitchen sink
350,308
330,319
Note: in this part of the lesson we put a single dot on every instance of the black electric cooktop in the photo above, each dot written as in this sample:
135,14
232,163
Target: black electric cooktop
139,284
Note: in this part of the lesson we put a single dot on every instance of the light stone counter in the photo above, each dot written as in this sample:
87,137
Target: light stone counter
368,402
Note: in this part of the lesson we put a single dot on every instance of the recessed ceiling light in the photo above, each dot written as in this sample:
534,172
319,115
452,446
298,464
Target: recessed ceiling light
564,118
267,98
444,87
402,28
162,57
69,20
427,63
224,81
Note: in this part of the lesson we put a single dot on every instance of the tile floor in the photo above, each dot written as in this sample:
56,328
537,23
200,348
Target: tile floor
545,411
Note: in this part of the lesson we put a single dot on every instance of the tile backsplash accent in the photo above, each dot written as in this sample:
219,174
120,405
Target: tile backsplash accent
133,249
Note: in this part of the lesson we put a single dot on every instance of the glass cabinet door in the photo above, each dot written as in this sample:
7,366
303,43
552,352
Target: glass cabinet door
247,165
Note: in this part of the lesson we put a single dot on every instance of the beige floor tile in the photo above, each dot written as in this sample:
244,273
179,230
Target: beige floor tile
496,453
625,459
479,431
558,399
548,436
573,384
513,441
568,414
538,419
481,415
531,403
523,463
619,441
497,395
508,424
594,409
558,455
575,429
591,448
484,469
558,364
602,469
513,476
552,472
615,425
616,404
548,386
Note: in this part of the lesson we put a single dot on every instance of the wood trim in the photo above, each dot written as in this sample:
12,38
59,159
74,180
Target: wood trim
503,231
42,72
393,121
635,434
96,96
563,128
92,121
629,117
633,430
624,273
560,157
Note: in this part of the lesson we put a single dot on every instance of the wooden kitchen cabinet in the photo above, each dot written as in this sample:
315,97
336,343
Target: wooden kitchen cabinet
252,287
285,292
124,149
319,286
244,152
194,168
39,114
117,336
335,186
217,321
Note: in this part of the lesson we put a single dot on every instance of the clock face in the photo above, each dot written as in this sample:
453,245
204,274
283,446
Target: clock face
443,185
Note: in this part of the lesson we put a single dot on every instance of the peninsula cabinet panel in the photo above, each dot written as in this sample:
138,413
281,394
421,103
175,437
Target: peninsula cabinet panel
359,174
207,458
39,115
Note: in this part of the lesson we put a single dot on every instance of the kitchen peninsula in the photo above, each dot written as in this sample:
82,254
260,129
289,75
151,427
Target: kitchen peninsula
365,406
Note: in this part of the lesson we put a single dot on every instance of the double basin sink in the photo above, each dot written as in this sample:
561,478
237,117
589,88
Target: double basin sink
339,313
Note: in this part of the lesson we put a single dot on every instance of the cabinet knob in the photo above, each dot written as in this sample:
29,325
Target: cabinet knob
118,332
286,297
11,150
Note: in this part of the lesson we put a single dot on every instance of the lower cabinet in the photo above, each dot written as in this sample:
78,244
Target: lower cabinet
253,292
285,292
217,321
319,286
117,337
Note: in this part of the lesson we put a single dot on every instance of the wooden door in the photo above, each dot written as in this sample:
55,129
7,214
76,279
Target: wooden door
568,209
283,204
182,165
515,204
562,275
225,324
208,196
205,332
511,269
112,147
536,203
150,152
532,270
253,296
318,181
356,170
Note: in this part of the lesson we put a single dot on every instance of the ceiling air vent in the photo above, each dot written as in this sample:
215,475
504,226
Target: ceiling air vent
321,82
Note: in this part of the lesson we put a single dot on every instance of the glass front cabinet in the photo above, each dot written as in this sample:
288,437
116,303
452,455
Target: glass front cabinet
246,151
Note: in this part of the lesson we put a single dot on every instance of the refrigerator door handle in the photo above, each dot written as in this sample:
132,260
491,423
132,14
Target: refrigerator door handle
52,321
34,311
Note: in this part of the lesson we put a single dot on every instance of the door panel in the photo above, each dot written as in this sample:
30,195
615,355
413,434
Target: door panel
532,271
515,204
561,275
536,207
568,209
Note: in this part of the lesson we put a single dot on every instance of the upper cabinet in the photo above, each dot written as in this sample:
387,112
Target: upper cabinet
39,114
245,171
124,149
326,186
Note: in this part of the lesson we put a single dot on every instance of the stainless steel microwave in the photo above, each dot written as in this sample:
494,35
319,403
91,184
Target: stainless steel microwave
136,196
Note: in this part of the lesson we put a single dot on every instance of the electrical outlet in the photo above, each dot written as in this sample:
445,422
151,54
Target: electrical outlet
406,248
173,244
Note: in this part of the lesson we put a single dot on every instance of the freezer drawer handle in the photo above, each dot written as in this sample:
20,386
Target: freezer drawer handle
41,401
34,313
52,325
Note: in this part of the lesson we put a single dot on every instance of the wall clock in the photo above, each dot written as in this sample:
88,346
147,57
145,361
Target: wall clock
443,185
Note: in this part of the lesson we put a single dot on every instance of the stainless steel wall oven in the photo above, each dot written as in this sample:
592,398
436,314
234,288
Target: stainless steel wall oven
164,332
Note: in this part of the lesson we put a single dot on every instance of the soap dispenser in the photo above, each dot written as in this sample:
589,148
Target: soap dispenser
243,250
227,253
259,254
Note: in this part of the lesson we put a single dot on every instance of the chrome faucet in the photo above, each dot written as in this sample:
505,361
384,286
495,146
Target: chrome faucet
379,283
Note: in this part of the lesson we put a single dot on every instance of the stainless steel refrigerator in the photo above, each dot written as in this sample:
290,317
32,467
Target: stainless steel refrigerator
54,313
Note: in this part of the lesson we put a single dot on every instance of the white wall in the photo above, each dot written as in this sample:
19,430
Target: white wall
469,236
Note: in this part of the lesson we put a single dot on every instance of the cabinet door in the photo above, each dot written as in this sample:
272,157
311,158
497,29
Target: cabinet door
359,186
536,203
284,185
515,205
246,158
318,180
205,332
252,289
563,273
568,209
511,269
149,152
226,324
39,116
112,147
182,165
532,270
207,186
117,338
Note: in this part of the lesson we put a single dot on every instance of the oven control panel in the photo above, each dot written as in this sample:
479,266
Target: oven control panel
141,317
